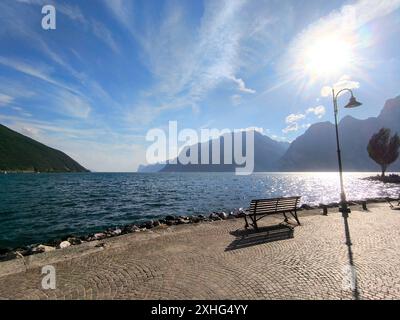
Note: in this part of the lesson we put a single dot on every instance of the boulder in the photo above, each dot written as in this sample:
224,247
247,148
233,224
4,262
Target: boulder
170,218
182,221
65,244
117,232
214,217
223,215
99,236
231,215
74,241
195,219
44,248
156,223
148,224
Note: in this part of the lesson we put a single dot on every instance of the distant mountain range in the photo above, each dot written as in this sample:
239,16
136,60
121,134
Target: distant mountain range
315,150
267,153
22,154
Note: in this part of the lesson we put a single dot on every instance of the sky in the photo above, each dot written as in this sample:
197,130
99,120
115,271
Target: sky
114,69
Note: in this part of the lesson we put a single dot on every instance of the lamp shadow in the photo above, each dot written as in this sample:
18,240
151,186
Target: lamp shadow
251,237
355,290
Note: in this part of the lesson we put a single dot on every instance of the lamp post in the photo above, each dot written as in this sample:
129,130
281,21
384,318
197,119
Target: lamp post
353,103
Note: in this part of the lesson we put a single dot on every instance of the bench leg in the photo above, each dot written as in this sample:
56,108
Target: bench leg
390,203
286,218
246,226
295,216
255,223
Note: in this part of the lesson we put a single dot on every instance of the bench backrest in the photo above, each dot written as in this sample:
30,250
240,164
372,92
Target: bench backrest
276,205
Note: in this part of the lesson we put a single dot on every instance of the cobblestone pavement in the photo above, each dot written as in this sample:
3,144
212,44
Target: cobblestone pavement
220,261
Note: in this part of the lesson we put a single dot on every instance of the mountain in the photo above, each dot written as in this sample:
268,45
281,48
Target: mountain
150,168
267,153
20,153
315,150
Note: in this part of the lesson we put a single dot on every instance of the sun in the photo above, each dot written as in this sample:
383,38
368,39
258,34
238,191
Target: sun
327,57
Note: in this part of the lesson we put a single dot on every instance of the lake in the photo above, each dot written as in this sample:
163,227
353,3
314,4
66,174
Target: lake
38,207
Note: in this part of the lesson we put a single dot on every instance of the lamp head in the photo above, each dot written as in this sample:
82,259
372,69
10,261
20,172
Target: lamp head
353,103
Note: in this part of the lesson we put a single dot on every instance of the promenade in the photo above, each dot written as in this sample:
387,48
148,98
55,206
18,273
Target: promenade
218,260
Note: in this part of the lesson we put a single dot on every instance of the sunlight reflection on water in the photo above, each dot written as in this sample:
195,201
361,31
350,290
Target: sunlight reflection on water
34,207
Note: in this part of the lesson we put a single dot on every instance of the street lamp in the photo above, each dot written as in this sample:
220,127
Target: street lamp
353,103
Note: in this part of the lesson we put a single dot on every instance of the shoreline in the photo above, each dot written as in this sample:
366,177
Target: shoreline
66,241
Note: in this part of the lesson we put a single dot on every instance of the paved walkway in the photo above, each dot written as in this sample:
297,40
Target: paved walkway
218,261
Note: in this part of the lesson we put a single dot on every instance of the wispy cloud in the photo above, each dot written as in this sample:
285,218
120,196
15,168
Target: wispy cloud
318,111
74,13
294,117
41,72
344,82
5,99
292,120
190,63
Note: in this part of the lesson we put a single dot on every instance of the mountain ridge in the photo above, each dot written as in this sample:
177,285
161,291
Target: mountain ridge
315,149
19,153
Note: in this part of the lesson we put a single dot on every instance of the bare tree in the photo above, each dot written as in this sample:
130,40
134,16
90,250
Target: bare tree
384,149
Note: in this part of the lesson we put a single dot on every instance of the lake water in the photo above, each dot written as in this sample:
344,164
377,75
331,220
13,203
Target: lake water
40,207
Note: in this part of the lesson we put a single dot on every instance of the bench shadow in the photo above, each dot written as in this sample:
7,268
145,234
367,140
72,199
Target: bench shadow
247,238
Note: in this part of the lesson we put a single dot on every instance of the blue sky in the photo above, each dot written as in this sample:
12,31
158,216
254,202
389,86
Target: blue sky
114,69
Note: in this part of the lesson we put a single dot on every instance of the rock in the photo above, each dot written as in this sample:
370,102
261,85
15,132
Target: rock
195,219
65,244
170,222
148,224
156,223
7,254
170,218
231,216
135,229
214,216
99,236
74,241
117,232
162,221
25,251
223,215
44,248
305,206
182,221
201,217
4,251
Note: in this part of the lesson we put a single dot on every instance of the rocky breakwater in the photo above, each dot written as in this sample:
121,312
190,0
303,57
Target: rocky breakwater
71,240
167,221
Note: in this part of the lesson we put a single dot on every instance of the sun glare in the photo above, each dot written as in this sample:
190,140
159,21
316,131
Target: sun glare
327,57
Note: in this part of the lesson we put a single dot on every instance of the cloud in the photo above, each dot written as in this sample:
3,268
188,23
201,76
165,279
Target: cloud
74,13
291,127
41,72
344,82
291,118
73,105
319,111
241,85
188,65
5,99
122,11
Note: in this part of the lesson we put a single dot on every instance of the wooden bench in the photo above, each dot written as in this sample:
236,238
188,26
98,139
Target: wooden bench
264,207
